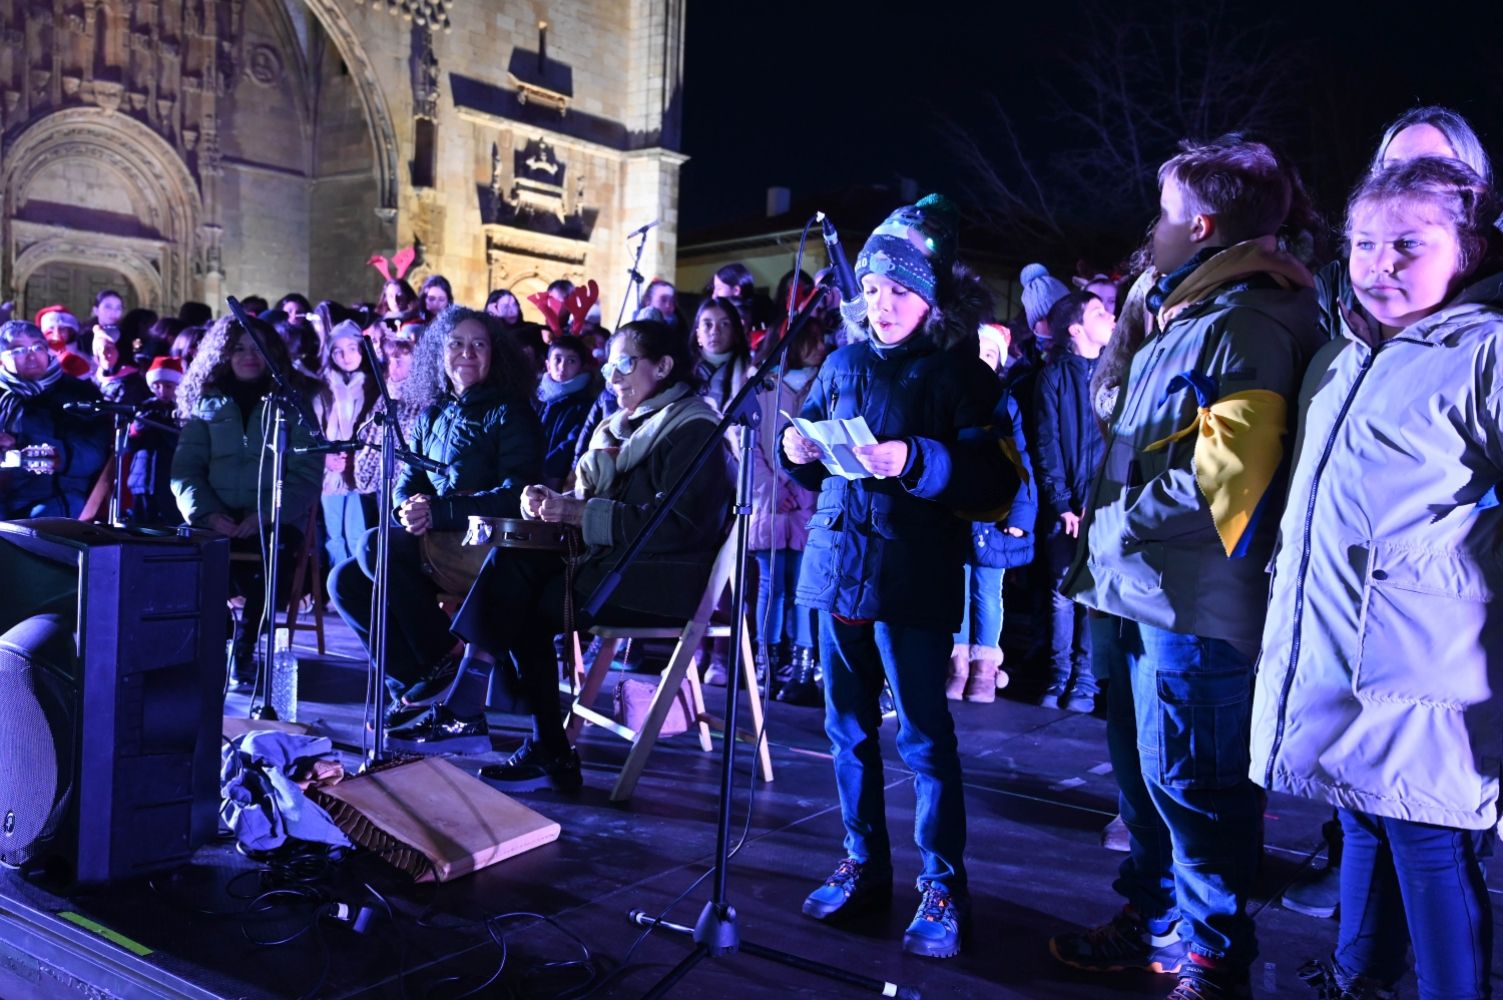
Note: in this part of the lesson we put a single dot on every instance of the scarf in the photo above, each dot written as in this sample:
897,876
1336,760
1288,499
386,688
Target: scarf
550,391
716,360
14,390
623,440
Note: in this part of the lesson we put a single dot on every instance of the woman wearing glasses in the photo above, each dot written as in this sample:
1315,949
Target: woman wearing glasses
55,455
517,605
475,398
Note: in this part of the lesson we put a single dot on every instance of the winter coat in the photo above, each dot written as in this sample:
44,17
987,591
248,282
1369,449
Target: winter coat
367,461
83,443
604,405
563,422
718,385
149,468
223,465
1380,686
338,405
893,549
1150,550
781,508
991,545
493,445
669,575
1067,446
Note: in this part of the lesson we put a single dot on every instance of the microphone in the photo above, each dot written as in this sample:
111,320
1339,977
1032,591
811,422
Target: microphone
88,406
852,305
642,230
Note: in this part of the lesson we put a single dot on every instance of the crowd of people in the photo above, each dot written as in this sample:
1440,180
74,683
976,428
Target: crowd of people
1251,488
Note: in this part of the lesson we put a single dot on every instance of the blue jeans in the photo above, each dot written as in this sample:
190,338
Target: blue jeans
1404,883
982,621
914,662
344,525
776,611
1178,732
1069,630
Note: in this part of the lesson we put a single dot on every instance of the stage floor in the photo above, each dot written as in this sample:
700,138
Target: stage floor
1039,790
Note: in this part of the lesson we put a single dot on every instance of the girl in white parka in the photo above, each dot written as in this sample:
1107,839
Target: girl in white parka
1380,686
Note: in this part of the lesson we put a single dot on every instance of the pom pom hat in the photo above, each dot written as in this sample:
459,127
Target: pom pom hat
1040,291
912,246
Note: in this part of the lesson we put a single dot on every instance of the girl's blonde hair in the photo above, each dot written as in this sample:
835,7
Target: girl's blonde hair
1449,187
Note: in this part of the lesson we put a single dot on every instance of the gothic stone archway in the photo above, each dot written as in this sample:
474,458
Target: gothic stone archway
97,189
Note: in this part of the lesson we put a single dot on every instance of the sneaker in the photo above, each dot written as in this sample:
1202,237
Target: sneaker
441,731
939,924
885,703
854,887
717,675
529,769
1321,976
1052,697
1207,982
1124,943
434,685
1315,894
1084,703
1114,836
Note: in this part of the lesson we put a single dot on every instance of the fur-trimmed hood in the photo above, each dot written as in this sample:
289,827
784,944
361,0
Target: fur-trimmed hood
964,304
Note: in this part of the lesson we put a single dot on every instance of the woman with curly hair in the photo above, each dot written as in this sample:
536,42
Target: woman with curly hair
475,393
222,472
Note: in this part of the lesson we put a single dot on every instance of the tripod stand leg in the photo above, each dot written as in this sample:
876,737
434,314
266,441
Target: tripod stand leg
678,972
831,972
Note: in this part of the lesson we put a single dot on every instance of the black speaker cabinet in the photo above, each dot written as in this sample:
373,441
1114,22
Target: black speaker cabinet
112,667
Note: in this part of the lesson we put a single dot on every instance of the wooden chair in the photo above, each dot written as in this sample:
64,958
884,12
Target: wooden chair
682,667
307,568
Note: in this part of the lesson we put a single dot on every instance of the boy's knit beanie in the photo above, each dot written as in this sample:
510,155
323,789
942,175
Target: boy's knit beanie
913,245
1040,291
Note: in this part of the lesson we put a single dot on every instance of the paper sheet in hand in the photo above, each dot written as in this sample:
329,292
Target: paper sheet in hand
836,438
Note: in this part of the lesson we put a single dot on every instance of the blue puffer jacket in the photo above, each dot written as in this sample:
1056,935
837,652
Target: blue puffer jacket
893,549
1067,446
493,446
991,545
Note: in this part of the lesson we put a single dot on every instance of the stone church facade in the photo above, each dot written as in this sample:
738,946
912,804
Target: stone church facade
193,149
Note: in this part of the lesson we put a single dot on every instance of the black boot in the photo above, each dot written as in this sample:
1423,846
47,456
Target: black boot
804,687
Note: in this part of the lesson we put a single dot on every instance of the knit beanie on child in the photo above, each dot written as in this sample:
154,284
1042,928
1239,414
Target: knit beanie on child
912,245
1040,291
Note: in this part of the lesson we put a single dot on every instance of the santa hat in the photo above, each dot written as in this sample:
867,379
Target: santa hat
997,334
52,317
110,333
165,370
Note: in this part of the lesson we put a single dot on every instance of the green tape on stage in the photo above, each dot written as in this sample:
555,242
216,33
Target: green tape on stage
115,937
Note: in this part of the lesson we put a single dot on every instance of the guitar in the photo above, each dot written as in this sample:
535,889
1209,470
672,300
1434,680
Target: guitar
40,459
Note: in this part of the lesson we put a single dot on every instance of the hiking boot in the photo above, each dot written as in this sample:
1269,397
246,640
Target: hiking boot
531,769
803,688
435,685
441,731
1322,976
1124,943
1315,894
854,887
939,924
1198,981
960,672
1052,697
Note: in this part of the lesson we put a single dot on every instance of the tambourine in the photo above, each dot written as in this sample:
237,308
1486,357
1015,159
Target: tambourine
519,533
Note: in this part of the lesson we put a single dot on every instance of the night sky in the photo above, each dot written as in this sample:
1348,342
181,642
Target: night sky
817,96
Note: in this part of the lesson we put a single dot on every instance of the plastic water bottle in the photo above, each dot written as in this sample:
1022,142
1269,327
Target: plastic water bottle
284,678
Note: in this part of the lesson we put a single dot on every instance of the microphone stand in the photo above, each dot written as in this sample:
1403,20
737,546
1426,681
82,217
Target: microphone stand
633,276
717,932
283,397
392,450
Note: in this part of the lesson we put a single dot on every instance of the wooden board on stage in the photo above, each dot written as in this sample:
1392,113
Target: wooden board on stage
433,820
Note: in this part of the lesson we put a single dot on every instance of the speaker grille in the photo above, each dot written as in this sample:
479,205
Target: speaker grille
29,773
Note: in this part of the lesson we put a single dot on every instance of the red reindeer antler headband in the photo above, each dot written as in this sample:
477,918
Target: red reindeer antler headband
395,269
